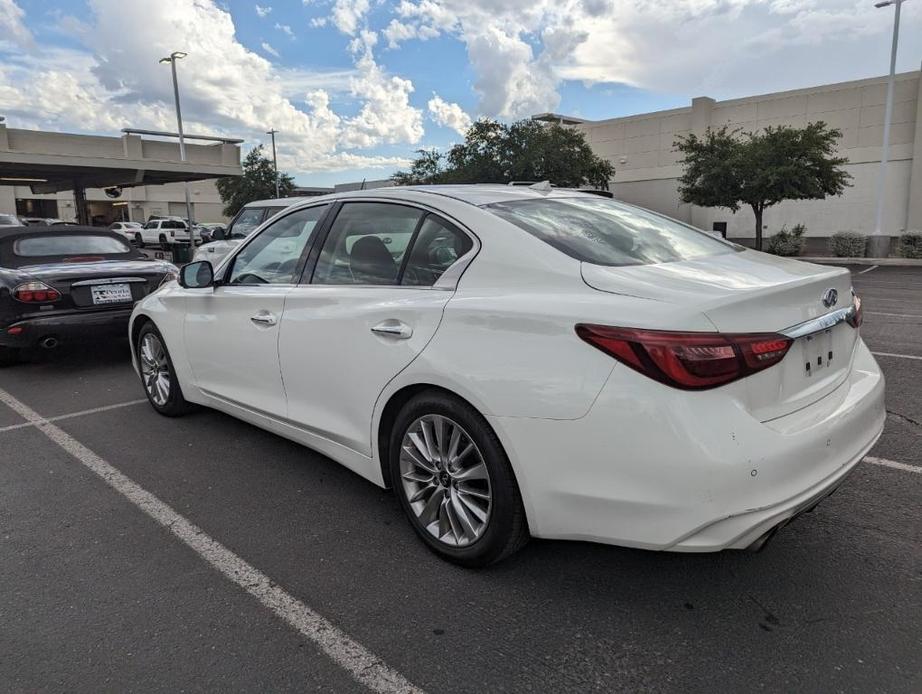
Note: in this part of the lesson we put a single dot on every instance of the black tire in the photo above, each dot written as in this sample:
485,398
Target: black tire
507,528
9,356
139,240
176,405
164,245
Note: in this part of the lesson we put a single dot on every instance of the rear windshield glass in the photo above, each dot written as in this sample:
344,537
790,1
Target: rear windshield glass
606,232
9,220
36,246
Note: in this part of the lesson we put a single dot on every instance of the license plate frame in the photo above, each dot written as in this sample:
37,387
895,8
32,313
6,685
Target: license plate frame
817,353
104,294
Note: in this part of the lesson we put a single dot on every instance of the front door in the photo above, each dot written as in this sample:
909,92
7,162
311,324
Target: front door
231,331
368,311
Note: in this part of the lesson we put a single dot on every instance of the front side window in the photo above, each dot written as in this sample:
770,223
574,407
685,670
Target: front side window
366,244
607,232
274,256
436,248
246,222
36,246
152,225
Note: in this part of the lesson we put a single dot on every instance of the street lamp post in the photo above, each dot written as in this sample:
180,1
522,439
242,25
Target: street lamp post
171,59
879,243
275,163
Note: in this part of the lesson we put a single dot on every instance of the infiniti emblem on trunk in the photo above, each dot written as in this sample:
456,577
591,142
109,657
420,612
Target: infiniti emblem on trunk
830,297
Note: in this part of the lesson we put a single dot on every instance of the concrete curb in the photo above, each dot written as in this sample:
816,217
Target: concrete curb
898,262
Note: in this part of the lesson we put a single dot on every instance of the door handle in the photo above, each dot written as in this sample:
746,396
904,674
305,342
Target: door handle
264,318
393,328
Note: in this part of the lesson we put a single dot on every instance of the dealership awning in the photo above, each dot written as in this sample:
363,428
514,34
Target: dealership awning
52,162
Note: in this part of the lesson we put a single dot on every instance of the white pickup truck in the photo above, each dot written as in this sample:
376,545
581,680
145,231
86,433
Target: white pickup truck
162,232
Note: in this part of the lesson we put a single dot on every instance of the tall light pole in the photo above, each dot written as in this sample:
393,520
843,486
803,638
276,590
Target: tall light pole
879,243
275,162
171,59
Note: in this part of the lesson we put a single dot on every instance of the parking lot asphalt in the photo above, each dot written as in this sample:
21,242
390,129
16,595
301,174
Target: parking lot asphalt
96,595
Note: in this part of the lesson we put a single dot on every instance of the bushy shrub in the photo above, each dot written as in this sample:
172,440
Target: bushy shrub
848,244
786,242
911,244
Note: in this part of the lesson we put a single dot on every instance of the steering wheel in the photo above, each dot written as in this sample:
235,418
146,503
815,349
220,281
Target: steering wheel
250,278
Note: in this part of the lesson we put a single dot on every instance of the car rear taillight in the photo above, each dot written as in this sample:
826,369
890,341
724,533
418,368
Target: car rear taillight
35,293
854,319
690,361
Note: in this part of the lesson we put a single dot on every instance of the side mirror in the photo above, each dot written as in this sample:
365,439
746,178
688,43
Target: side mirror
218,234
197,275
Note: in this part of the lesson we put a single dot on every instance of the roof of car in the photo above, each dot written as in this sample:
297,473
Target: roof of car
475,193
280,202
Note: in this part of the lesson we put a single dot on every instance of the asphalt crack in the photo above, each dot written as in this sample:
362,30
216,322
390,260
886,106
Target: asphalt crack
905,420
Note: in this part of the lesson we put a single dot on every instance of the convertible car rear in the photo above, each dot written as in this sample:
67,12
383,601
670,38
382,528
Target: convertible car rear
65,283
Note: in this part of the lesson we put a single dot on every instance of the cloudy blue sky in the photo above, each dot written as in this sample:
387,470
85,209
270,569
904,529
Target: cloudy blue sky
355,86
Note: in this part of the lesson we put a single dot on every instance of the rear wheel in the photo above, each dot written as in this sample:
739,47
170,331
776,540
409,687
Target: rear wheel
158,375
9,356
455,482
139,240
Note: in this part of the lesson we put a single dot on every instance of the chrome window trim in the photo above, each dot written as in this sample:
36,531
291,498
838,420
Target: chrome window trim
820,323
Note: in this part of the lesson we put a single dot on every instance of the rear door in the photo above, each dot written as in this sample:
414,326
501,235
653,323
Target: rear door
369,308
231,331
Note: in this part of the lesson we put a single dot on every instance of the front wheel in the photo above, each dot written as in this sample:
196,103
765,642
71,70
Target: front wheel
139,240
158,375
455,482
163,242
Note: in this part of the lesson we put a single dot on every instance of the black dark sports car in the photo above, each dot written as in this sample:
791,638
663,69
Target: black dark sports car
64,283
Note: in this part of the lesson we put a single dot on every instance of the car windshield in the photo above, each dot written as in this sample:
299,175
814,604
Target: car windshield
605,232
72,244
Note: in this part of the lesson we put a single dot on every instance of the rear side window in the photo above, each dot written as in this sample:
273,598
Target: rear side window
605,232
37,246
436,248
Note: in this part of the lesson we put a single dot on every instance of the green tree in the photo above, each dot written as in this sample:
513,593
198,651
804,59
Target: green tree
256,183
527,150
730,169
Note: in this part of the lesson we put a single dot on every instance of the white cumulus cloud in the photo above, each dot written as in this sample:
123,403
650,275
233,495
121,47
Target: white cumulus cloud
270,50
348,14
449,115
263,11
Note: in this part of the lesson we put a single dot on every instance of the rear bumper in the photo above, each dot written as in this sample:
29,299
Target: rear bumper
693,472
67,327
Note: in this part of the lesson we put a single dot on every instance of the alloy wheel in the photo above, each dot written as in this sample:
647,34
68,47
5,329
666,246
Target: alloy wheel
445,480
155,369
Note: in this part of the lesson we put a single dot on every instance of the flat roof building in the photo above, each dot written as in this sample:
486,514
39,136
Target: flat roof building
647,166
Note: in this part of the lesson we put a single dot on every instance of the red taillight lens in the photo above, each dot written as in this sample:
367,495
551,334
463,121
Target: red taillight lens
36,293
691,361
857,316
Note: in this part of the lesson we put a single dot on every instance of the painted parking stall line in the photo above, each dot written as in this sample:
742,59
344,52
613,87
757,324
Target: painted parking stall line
363,665
897,356
893,464
71,415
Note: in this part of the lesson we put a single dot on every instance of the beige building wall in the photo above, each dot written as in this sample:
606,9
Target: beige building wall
641,149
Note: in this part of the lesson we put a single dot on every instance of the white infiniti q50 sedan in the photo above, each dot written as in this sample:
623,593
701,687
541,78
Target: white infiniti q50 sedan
517,362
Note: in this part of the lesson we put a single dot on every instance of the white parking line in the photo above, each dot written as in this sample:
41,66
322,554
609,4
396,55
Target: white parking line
363,665
893,464
897,315
873,267
897,356
71,415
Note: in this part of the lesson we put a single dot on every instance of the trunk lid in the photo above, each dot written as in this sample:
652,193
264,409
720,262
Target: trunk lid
75,280
750,292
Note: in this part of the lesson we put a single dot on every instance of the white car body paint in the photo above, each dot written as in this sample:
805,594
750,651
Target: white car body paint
600,451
